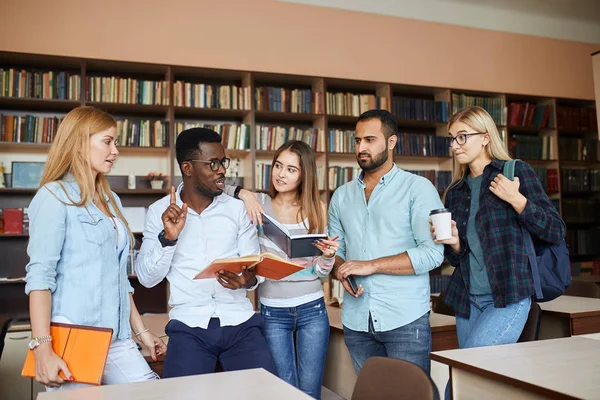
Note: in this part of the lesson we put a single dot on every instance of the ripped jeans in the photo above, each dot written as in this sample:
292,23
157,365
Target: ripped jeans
124,364
298,339
411,342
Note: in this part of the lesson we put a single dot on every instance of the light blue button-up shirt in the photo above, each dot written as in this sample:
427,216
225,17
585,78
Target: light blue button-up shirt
395,220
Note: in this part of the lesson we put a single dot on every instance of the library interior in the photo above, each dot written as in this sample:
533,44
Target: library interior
529,69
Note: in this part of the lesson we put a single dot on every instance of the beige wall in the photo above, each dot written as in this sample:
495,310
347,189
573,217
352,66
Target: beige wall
264,35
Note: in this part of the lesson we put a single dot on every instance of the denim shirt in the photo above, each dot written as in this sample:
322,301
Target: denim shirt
73,253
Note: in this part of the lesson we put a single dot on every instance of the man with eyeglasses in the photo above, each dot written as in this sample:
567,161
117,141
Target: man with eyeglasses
211,319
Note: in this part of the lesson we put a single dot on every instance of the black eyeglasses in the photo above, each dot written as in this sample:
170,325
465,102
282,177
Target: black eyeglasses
461,138
215,164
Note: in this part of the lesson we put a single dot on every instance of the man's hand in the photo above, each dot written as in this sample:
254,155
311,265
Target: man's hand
174,218
233,281
362,268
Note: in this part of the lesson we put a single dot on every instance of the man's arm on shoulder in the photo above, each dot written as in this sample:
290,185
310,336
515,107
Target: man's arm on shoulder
154,260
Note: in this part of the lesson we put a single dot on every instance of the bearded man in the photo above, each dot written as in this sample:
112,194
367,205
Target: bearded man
386,250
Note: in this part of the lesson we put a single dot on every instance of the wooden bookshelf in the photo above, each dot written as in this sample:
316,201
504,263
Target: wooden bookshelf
322,119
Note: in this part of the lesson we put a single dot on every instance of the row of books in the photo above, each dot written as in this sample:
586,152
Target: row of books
269,137
420,109
576,119
583,242
14,221
533,147
342,141
585,268
353,105
528,115
440,179
548,178
495,106
28,128
580,180
286,100
114,89
234,137
142,133
263,176
572,149
200,95
581,211
47,85
420,144
341,175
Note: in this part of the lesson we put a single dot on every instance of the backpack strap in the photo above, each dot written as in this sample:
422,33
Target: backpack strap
509,171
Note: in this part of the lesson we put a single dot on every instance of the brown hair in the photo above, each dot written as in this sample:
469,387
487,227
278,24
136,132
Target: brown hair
307,191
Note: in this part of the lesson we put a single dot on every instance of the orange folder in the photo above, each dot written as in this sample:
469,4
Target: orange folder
83,348
266,264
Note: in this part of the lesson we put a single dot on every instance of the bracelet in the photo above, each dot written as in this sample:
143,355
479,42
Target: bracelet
140,332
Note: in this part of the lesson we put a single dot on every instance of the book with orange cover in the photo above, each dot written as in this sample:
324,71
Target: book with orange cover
83,348
266,264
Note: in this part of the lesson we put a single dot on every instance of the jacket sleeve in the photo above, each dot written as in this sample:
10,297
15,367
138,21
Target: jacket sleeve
47,230
539,217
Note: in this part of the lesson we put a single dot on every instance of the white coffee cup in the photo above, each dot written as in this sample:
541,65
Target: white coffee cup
442,221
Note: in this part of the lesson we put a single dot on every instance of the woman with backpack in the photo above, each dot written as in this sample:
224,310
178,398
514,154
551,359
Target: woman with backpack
491,292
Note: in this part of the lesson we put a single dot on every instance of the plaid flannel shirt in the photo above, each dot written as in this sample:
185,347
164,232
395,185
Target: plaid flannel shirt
498,228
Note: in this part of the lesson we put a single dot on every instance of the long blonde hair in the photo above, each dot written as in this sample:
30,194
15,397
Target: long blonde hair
308,189
70,153
480,121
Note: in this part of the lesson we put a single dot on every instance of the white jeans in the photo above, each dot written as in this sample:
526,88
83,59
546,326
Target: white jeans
124,364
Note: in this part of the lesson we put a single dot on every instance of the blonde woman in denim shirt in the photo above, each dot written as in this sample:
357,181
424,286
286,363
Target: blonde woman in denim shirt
78,248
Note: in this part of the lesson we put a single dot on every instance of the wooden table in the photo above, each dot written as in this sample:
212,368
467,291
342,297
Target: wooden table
568,316
340,376
566,368
251,384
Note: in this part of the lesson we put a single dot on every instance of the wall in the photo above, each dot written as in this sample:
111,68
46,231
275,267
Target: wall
264,35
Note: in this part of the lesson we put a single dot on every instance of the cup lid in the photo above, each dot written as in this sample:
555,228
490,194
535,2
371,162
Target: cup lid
439,211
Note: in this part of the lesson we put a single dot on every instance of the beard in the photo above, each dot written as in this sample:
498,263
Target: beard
373,163
206,190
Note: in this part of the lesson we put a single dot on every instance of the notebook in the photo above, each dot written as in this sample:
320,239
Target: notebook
83,348
267,265
295,246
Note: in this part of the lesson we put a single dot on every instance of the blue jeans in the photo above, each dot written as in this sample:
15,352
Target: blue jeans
490,326
410,343
298,339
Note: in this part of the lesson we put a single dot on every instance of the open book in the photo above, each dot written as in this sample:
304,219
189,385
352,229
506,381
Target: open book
294,246
266,264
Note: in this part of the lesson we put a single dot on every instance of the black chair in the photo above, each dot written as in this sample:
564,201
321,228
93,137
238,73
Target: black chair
531,331
4,324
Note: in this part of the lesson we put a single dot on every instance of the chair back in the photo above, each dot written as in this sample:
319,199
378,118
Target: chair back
4,324
383,378
531,330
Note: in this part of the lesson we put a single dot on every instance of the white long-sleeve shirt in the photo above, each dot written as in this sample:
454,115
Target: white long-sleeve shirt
222,230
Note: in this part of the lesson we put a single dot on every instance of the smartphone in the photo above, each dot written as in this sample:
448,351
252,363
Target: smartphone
352,284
